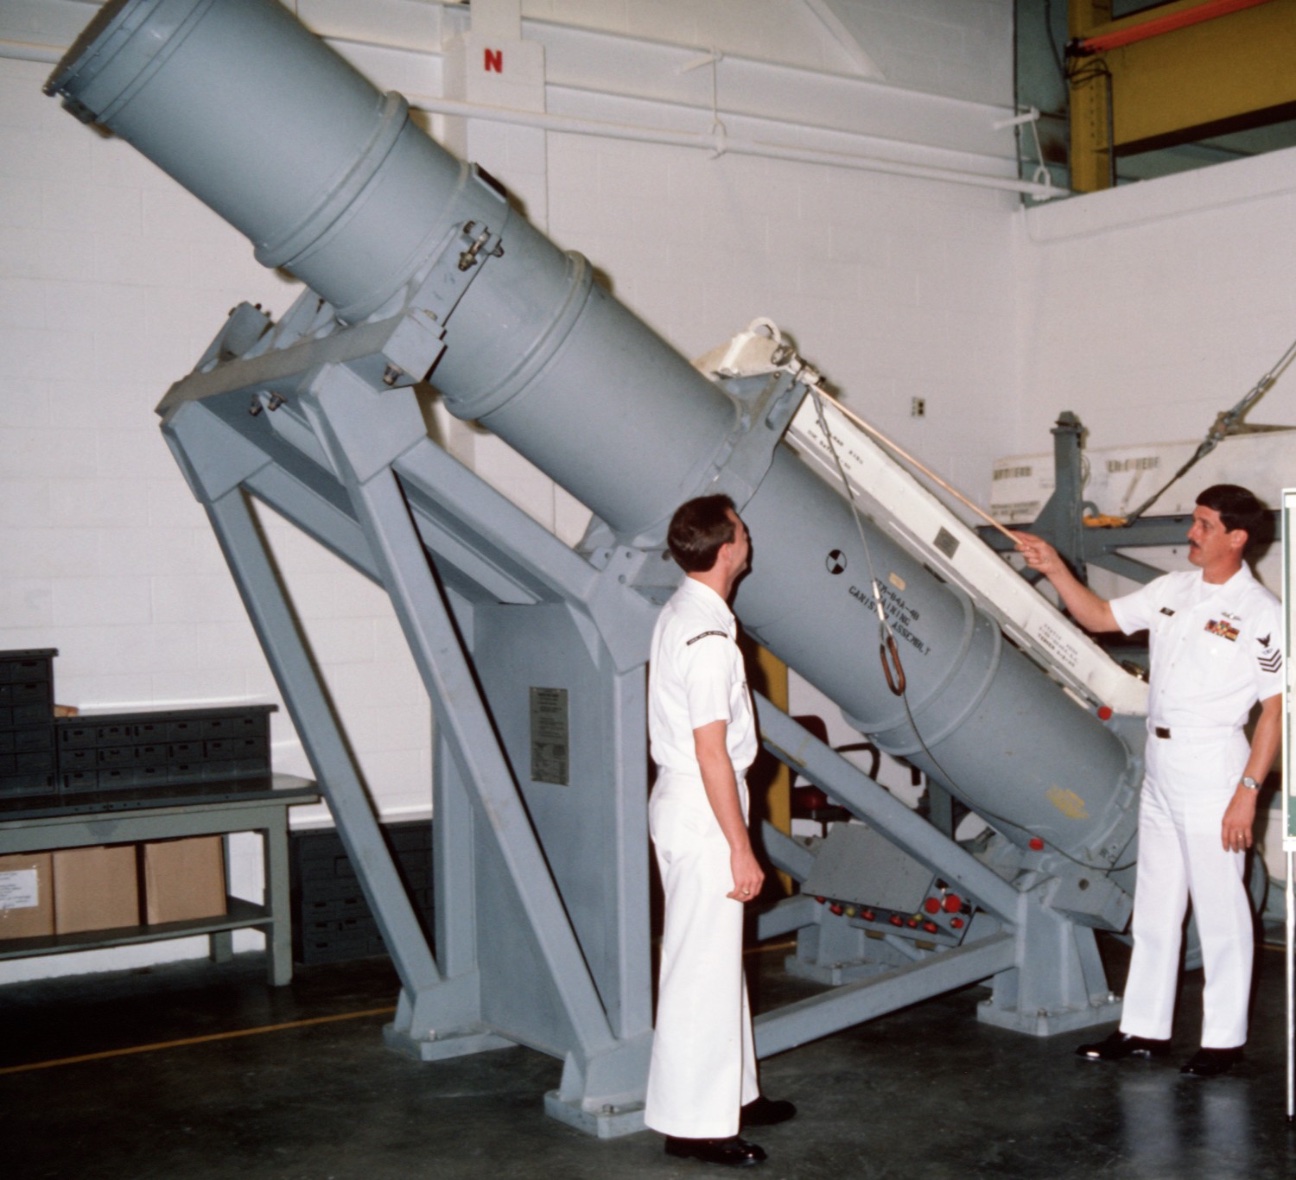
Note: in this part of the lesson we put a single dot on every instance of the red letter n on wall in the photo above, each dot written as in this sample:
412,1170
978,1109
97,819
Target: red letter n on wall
493,61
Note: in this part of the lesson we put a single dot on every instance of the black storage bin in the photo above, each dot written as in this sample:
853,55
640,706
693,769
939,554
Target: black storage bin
28,768
171,746
332,922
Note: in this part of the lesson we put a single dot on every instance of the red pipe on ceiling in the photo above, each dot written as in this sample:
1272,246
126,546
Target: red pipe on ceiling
1156,26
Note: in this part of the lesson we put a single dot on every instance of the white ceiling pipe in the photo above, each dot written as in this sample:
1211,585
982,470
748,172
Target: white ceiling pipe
715,141
22,51
457,15
722,144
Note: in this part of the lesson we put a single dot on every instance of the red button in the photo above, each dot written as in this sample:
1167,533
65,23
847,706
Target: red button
953,903
957,923
932,905
1037,845
897,920
931,927
912,923
811,798
1104,713
835,907
867,915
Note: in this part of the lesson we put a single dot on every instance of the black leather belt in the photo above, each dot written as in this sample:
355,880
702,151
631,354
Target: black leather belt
1161,731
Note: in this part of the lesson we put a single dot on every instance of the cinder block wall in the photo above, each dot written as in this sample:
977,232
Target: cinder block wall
1149,308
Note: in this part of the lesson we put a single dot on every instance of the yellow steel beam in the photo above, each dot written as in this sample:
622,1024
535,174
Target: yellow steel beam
1178,85
778,800
1090,153
1183,84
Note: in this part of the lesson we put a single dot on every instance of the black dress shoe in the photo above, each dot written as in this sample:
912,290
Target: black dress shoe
1210,1063
1120,1045
765,1112
733,1152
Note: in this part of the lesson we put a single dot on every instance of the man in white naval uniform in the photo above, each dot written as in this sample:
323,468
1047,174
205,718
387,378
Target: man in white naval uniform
702,1083
1214,637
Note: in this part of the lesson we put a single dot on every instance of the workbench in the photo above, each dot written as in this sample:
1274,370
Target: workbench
216,812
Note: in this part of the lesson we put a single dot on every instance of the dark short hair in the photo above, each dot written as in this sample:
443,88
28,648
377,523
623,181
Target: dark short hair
1239,509
698,529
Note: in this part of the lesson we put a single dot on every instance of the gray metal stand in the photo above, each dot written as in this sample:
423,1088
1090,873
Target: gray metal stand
484,596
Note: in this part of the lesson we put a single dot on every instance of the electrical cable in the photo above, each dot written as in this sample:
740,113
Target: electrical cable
1048,32
888,649
1225,423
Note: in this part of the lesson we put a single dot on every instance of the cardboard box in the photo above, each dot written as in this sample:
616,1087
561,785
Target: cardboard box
184,879
26,895
95,888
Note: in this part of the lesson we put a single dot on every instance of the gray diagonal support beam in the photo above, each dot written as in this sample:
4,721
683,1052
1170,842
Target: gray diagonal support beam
308,703
344,411
792,913
786,854
865,799
453,847
315,516
854,1003
625,621
433,477
213,457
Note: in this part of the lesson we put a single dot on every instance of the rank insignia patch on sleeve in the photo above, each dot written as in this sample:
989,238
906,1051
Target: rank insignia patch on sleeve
1270,658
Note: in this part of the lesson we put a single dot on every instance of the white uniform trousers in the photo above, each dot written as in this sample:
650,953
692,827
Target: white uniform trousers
1186,791
703,1066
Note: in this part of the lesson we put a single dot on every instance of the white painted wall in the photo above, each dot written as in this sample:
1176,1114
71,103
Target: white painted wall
112,281
1148,309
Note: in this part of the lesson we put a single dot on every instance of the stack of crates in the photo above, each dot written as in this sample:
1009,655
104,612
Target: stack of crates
331,919
114,751
27,750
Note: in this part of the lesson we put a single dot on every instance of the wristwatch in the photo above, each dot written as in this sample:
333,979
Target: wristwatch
1250,783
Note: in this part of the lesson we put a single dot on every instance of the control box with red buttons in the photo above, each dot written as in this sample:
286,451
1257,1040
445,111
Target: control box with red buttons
866,880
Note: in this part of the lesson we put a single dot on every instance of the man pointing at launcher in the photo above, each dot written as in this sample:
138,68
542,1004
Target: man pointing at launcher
1214,637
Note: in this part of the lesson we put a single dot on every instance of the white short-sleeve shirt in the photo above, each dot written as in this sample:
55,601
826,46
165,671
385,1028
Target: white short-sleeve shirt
1215,649
696,676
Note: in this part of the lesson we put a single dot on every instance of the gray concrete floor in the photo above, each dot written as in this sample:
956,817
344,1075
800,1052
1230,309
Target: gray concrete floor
199,1070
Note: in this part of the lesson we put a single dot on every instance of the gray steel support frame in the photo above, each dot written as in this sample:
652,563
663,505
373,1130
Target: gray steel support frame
377,491
362,435
1059,519
1046,974
216,477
